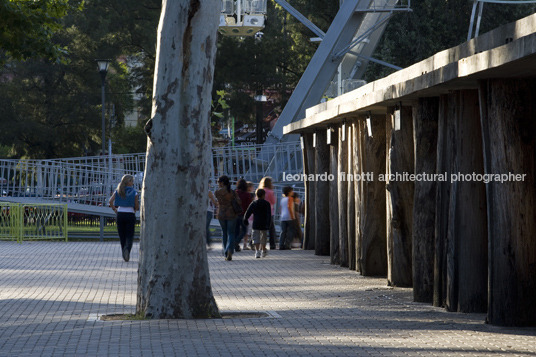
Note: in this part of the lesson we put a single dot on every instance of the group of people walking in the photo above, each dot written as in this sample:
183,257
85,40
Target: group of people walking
236,207
242,214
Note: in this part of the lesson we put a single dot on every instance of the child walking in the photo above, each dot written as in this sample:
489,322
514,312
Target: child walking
262,216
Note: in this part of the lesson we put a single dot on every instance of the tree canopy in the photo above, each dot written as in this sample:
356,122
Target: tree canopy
51,108
27,28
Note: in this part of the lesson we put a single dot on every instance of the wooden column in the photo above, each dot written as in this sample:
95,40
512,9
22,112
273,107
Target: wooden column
445,159
508,112
399,196
342,193
373,250
350,212
425,115
310,196
322,233
334,198
461,224
356,155
470,217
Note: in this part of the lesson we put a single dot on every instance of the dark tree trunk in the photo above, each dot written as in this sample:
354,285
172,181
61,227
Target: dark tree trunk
425,115
508,110
310,198
373,224
351,200
342,163
334,200
322,234
399,198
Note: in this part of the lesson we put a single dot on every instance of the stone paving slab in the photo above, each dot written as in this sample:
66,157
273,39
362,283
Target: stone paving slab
52,292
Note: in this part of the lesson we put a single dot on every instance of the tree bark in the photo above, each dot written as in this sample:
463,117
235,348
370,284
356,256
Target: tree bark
399,198
373,255
425,116
310,198
509,142
334,199
351,199
322,234
342,185
173,275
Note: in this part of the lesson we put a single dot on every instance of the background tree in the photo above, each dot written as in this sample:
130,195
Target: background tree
434,26
27,28
173,275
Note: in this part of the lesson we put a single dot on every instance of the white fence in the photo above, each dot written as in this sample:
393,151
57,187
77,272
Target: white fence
91,180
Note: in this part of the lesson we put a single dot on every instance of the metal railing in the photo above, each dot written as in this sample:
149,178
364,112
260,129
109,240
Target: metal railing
20,222
91,180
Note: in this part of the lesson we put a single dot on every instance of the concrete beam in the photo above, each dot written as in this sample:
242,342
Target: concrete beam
506,52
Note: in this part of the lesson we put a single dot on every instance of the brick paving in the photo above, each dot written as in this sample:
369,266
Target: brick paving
52,292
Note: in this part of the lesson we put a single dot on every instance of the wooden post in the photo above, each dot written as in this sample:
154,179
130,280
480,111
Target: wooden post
425,115
350,221
373,252
468,204
399,197
445,157
356,159
310,198
322,233
342,186
508,110
334,199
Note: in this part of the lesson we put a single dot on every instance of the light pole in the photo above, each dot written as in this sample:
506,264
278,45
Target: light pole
102,66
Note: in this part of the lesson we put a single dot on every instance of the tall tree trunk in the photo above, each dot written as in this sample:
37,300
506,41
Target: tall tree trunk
322,234
334,199
508,110
399,197
342,164
173,275
373,256
351,199
425,115
310,198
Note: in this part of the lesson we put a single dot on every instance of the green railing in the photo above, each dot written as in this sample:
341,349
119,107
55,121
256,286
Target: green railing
19,222
9,221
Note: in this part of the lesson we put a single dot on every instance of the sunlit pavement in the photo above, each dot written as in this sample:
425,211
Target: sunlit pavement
52,293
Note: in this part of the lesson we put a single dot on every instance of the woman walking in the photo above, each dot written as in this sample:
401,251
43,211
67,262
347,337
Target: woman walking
125,203
227,215
245,199
266,185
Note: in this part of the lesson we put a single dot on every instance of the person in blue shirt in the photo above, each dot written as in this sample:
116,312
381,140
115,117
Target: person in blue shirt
125,203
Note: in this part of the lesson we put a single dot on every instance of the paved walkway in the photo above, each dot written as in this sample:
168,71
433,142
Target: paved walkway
51,293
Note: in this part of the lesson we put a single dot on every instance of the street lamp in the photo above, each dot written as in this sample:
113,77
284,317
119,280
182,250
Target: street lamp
102,66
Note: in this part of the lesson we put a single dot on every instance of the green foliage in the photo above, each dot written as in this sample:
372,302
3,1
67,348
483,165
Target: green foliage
129,139
433,26
50,109
245,67
27,28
